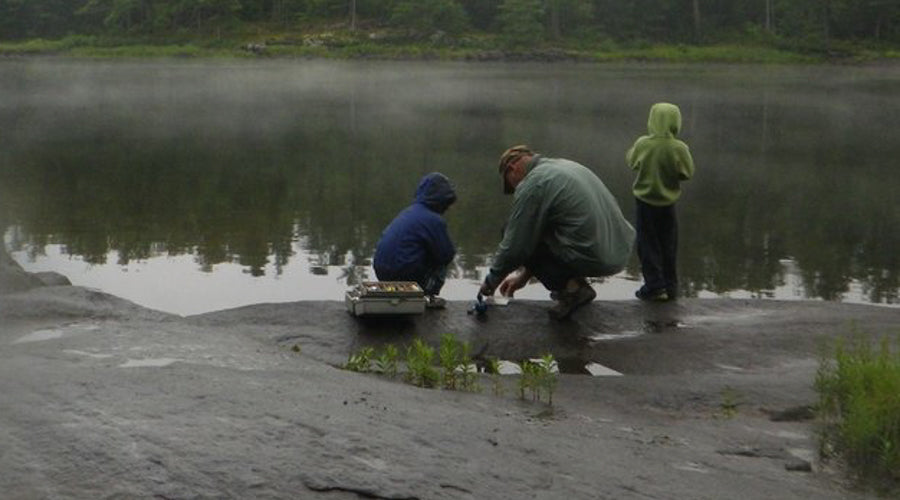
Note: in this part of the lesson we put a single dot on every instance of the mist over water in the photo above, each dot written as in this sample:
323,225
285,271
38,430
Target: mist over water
191,186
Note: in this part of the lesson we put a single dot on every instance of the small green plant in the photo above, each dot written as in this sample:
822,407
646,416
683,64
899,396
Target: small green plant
859,404
457,370
296,348
386,363
538,376
729,403
419,359
493,367
449,354
467,370
525,378
530,379
361,361
547,374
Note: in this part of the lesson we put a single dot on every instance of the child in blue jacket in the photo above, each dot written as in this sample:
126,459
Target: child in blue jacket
416,245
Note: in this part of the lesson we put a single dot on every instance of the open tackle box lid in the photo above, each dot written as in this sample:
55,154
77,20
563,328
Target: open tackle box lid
390,289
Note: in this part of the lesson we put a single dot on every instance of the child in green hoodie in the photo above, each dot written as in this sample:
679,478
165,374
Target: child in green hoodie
660,162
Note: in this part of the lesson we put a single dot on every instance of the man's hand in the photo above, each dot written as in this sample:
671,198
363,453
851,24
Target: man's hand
514,282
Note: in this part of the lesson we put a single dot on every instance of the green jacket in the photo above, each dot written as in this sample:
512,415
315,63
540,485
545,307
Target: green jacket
564,205
660,160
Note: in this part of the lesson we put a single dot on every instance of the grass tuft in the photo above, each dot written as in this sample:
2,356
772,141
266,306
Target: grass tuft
361,361
420,363
539,376
859,403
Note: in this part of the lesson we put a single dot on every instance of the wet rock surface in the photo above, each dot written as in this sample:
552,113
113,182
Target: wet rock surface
105,399
12,277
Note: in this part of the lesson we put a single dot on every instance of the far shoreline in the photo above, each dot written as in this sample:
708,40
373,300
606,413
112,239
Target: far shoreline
89,47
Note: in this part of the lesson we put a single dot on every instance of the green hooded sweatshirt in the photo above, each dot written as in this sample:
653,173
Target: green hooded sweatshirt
565,206
660,160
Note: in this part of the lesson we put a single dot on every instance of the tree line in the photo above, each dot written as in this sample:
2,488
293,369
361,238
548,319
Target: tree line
519,22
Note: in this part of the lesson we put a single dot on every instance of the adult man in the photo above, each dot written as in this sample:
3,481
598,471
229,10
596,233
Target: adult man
565,225
416,245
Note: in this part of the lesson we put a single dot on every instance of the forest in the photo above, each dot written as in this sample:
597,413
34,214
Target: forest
797,25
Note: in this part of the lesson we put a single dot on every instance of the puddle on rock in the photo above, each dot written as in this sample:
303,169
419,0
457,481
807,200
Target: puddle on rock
569,366
505,367
39,336
55,333
88,354
601,337
598,370
742,317
648,327
691,467
148,363
652,326
578,366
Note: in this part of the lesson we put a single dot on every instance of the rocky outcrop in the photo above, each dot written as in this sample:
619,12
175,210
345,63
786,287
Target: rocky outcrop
14,279
702,399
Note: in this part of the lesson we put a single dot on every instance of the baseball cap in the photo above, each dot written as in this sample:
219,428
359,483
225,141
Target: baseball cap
508,157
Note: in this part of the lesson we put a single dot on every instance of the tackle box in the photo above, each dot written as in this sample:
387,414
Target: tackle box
385,297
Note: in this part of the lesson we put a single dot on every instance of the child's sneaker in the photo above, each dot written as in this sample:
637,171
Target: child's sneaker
652,295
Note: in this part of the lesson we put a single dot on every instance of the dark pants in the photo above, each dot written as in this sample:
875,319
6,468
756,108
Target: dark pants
549,270
431,280
657,247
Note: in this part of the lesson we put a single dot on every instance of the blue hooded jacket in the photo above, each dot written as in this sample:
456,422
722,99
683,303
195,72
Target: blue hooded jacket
416,242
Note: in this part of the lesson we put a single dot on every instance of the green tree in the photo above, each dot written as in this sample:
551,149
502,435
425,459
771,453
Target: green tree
695,14
11,13
277,11
567,15
859,19
554,7
328,9
35,18
482,14
199,14
164,15
520,22
351,10
353,15
428,16
634,20
119,14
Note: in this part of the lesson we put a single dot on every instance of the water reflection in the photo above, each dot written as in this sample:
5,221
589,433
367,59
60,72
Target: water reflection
255,168
175,283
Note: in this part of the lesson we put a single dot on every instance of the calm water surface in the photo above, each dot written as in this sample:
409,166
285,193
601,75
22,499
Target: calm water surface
195,186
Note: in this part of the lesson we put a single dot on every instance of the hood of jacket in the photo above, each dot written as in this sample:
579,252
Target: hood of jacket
436,192
664,120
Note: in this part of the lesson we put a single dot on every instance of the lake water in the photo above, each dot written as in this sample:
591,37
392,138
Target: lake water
193,186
